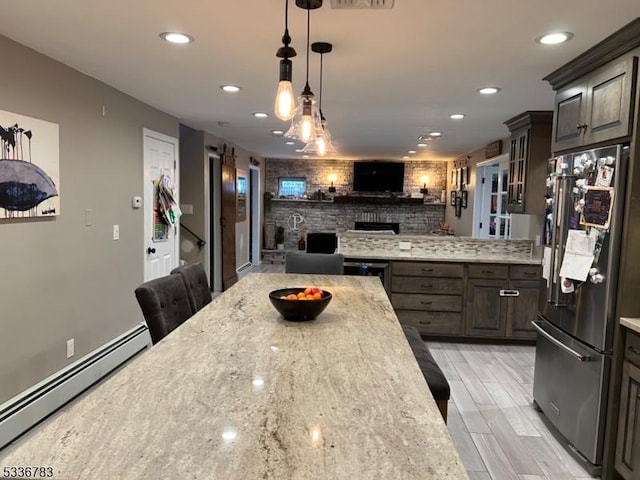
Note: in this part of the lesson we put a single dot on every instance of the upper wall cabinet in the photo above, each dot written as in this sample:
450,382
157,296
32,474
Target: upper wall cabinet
597,107
530,148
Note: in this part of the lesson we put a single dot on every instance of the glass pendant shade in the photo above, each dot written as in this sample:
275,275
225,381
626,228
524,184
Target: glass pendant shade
321,144
306,120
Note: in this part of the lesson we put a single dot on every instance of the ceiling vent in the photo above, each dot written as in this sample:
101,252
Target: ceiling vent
362,4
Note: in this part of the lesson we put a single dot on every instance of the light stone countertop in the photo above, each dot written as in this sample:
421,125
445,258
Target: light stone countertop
437,248
631,323
238,393
421,257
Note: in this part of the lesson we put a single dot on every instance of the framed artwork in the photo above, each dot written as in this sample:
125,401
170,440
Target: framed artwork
29,167
453,198
464,197
468,169
241,195
458,207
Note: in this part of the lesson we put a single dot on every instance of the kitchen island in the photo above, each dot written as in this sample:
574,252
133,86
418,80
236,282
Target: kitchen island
239,393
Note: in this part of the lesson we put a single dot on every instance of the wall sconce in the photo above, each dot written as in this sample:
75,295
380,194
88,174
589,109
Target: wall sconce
424,190
332,178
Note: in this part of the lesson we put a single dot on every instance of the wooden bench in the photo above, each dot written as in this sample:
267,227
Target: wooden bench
432,374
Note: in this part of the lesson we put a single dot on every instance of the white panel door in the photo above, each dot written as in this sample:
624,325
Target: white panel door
161,243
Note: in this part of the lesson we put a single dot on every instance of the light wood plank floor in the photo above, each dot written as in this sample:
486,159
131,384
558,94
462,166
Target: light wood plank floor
491,419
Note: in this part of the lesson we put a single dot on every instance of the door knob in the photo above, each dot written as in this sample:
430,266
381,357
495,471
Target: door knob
151,250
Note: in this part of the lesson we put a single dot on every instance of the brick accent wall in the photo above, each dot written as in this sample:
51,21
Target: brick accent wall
332,217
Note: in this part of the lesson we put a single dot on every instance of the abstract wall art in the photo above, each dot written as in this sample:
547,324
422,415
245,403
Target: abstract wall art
29,167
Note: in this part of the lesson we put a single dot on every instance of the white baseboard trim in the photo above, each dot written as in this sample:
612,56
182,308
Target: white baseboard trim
20,413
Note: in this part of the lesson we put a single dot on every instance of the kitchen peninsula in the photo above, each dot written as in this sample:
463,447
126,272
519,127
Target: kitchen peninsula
238,393
456,286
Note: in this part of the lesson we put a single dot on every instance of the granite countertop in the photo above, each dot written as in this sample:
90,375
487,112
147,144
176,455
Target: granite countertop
631,323
238,393
422,257
437,248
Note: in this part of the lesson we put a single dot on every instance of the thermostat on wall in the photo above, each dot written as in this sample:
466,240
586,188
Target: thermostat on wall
136,202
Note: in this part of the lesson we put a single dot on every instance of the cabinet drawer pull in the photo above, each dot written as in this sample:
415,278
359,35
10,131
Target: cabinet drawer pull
509,293
427,270
422,302
488,272
428,322
427,285
634,350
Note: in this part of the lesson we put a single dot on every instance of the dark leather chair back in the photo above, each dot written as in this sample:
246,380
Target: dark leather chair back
322,263
165,305
195,279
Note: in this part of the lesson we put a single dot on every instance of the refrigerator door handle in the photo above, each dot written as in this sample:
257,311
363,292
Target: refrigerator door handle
577,355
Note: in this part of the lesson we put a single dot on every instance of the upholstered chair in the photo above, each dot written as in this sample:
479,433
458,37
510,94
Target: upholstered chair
165,305
195,279
322,263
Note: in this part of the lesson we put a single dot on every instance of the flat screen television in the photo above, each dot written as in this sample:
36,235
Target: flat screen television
378,176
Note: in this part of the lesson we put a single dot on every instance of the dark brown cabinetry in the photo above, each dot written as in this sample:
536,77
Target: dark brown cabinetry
596,107
499,303
530,148
471,300
429,295
628,444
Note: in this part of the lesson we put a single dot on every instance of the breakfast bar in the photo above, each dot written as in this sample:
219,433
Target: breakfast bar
239,393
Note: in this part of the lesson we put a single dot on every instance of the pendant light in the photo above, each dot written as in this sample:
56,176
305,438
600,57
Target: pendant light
307,118
321,144
285,105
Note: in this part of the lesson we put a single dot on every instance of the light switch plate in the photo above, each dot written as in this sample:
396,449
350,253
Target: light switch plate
71,348
405,245
116,232
136,202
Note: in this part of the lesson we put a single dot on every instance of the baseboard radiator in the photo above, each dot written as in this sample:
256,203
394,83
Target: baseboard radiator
244,269
21,413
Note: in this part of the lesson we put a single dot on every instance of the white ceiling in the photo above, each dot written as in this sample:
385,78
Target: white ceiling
392,76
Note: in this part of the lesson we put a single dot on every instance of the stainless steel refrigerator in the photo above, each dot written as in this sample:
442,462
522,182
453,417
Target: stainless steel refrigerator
583,231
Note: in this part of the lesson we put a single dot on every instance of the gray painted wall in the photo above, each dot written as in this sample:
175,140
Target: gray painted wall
61,279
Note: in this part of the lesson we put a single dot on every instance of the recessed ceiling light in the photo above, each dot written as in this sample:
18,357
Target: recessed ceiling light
305,156
405,157
230,88
260,115
176,37
457,116
554,38
435,134
289,142
488,90
277,132
422,145
298,150
411,152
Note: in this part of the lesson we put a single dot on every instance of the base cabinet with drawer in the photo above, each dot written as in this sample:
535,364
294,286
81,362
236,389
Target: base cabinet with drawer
429,296
628,443
470,300
500,304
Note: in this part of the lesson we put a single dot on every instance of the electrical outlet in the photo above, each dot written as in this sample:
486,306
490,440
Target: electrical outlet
88,217
405,245
116,232
70,347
